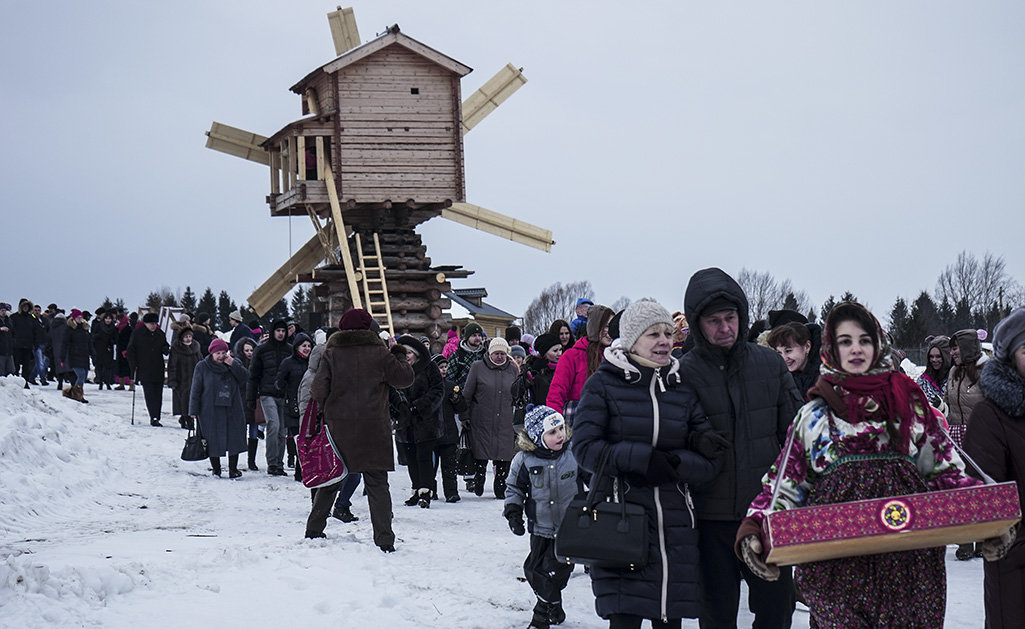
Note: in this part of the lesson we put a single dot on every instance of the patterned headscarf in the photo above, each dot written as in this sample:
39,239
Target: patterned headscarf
880,391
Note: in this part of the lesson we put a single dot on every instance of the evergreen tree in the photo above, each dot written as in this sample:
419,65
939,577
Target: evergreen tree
225,306
188,301
946,315
826,307
899,323
790,303
119,303
302,307
107,304
208,304
277,311
924,321
153,301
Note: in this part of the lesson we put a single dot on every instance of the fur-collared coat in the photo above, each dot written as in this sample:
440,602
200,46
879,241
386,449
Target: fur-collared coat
488,393
78,346
416,411
351,388
995,439
145,353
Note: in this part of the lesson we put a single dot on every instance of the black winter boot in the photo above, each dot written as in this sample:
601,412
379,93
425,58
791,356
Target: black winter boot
413,500
252,455
344,514
233,471
501,471
290,446
478,477
425,498
215,463
556,615
540,619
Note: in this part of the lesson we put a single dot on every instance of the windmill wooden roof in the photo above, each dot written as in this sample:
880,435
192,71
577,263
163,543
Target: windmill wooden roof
392,37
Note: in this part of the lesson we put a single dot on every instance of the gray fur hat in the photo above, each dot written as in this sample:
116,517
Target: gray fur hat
1009,334
638,317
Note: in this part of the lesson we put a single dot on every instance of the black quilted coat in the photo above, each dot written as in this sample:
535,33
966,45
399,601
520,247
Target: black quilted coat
635,410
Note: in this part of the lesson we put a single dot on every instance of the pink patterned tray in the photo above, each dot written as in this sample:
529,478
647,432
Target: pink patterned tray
867,527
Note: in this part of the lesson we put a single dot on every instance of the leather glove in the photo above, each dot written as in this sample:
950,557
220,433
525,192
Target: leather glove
751,550
710,444
514,514
996,548
662,468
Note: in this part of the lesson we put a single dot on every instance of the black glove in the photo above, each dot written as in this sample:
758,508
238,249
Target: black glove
710,444
662,468
514,514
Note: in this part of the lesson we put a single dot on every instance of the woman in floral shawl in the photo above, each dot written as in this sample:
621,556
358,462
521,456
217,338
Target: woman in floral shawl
868,432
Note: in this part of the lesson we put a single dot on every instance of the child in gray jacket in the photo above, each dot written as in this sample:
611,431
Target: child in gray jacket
542,480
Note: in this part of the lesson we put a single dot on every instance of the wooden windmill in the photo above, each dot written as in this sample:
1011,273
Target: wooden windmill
377,151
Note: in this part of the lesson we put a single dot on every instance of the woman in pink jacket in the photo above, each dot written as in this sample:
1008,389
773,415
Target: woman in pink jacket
579,362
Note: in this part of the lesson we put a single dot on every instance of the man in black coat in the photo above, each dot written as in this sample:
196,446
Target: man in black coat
750,398
23,331
145,353
103,333
262,390
6,341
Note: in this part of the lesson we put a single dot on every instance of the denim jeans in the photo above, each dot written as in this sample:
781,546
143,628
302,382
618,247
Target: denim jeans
41,363
346,490
274,412
81,373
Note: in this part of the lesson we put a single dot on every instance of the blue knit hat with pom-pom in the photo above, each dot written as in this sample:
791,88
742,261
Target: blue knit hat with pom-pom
540,420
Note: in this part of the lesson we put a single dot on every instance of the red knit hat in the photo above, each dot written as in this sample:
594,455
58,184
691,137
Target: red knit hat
217,345
75,313
355,319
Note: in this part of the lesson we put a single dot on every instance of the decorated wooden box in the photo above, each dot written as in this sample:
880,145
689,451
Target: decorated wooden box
882,525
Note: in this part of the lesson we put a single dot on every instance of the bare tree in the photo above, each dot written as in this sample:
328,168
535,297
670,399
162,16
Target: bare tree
976,283
764,293
620,304
555,302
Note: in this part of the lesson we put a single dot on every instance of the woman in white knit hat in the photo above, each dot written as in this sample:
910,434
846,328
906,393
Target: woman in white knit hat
488,393
659,442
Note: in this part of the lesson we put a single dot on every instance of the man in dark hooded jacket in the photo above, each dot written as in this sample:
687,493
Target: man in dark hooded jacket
263,390
750,398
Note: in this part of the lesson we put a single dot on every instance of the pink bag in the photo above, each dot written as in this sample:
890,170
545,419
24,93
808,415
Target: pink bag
320,460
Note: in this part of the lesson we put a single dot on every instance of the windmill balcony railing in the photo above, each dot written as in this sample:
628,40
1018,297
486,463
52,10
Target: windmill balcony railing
297,162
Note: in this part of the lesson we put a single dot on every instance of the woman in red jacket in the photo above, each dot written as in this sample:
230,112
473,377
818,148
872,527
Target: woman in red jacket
579,362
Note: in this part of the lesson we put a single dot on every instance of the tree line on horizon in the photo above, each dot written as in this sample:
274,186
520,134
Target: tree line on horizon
972,292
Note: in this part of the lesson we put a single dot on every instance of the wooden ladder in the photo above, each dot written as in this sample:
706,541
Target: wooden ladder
375,287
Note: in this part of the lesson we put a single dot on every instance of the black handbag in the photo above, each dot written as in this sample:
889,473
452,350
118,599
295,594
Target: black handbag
466,465
195,446
608,534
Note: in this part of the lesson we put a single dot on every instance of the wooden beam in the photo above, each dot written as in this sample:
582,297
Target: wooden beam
492,94
500,225
343,241
343,29
237,142
281,281
323,234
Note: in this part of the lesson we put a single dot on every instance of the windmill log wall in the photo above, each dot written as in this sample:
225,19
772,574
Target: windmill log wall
414,290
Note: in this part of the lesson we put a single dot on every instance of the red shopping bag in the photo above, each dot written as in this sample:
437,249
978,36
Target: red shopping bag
320,460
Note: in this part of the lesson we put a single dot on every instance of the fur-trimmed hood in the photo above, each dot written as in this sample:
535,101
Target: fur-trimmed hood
1004,386
523,442
74,325
352,338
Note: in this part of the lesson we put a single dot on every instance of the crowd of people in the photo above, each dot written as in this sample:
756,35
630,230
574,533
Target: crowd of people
709,428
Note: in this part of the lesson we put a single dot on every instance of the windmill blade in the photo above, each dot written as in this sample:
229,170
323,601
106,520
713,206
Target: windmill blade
237,142
277,285
500,225
492,94
343,29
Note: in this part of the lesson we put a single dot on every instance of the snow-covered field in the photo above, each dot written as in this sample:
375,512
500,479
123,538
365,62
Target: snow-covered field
102,525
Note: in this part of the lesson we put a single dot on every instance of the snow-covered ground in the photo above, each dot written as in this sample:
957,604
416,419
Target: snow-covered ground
102,525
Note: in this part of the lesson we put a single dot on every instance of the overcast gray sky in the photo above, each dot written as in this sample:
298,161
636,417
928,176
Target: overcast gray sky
845,146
